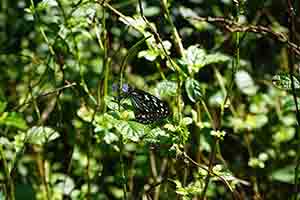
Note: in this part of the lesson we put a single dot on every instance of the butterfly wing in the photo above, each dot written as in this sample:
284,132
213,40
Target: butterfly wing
148,108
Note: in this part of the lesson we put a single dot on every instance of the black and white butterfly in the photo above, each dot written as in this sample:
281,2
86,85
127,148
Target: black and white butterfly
147,108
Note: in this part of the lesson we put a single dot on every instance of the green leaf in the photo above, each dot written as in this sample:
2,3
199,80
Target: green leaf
193,89
103,126
41,135
284,134
252,121
130,130
157,136
204,144
110,137
166,88
149,54
196,58
136,22
286,174
283,82
2,106
288,103
13,119
216,58
85,113
111,103
255,121
245,83
151,11
186,121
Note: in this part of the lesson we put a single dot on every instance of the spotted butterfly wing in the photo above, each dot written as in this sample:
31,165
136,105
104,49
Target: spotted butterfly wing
147,108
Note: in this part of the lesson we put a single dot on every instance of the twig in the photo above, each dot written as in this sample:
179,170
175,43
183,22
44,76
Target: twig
206,169
176,37
45,94
232,26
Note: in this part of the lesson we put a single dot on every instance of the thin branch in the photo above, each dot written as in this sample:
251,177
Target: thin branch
45,94
232,26
207,170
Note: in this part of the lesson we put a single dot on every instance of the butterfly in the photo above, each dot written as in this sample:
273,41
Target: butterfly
147,108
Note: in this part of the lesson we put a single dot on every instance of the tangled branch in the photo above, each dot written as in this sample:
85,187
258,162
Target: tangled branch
232,26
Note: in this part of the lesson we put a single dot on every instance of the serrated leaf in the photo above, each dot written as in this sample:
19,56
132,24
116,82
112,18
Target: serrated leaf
130,130
166,88
283,81
110,103
196,58
41,135
193,89
104,122
156,136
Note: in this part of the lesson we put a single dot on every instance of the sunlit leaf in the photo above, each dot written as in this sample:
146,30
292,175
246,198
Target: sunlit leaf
62,183
41,135
136,22
283,81
166,88
13,119
186,121
104,122
131,131
284,134
85,113
156,136
255,121
216,58
196,58
286,174
149,54
111,103
245,83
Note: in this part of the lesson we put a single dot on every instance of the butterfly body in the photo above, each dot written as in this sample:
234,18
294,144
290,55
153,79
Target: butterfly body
147,107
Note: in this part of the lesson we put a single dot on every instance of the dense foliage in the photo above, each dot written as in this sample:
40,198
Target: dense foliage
225,125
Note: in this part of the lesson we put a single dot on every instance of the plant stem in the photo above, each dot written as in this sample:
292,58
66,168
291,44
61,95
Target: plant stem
211,161
176,37
291,57
9,185
123,167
